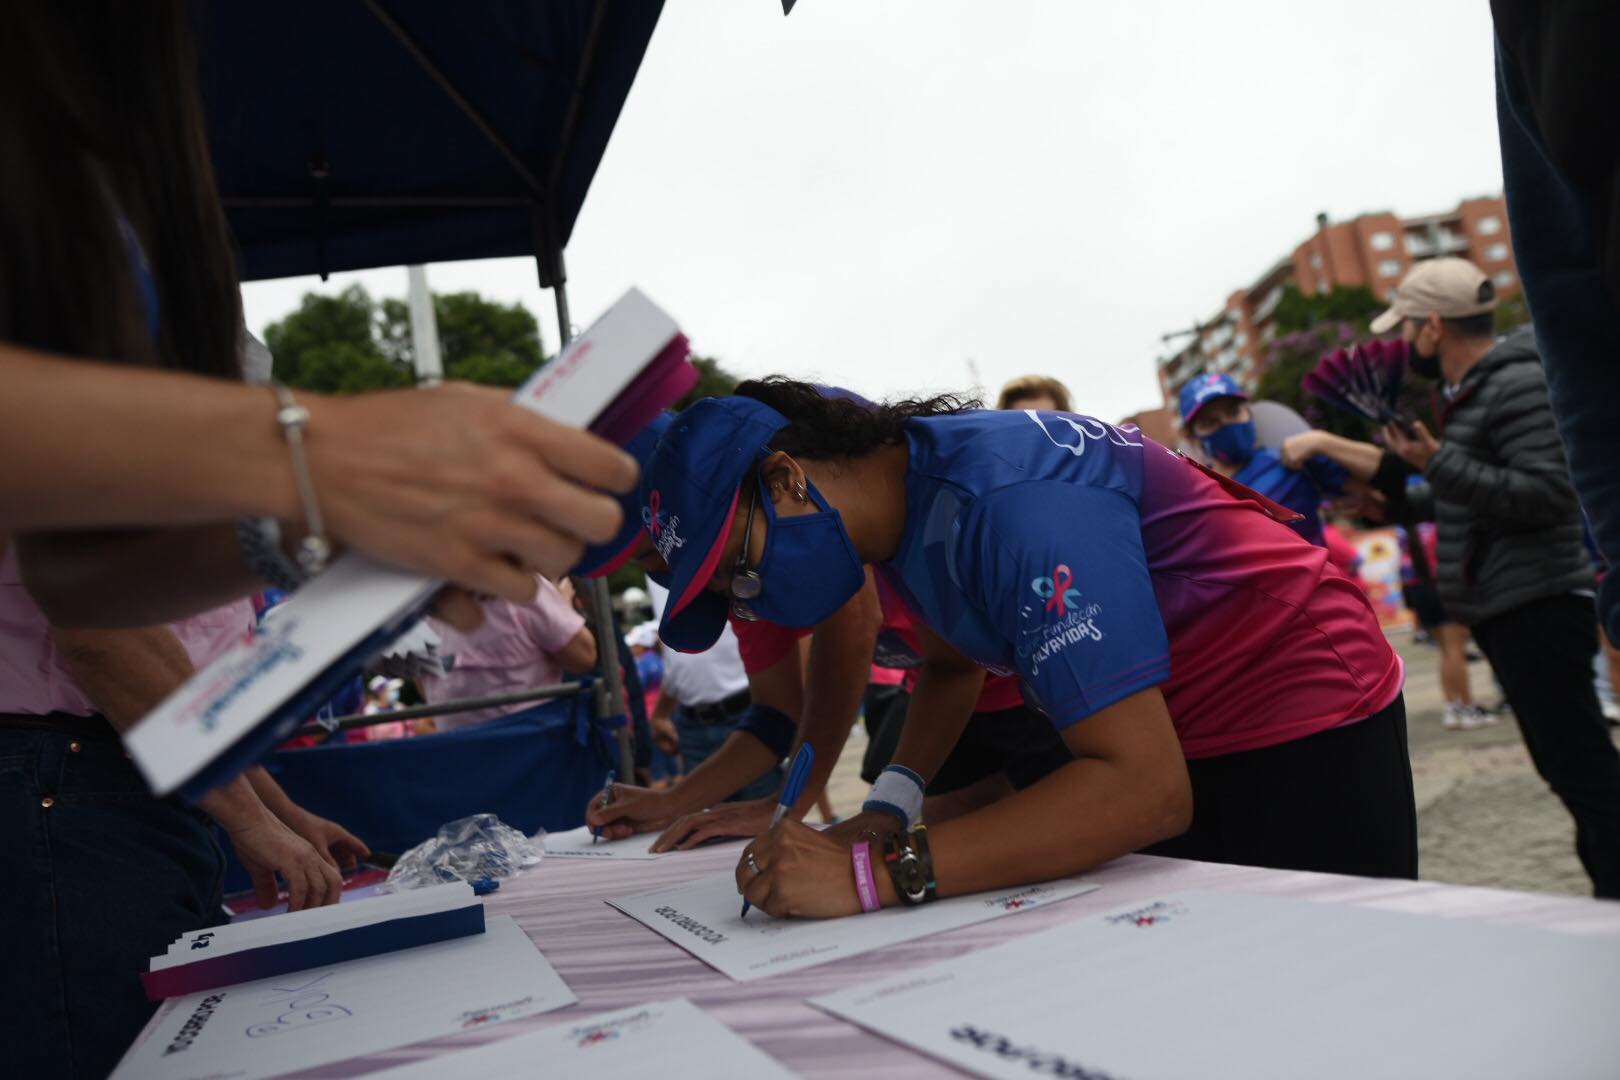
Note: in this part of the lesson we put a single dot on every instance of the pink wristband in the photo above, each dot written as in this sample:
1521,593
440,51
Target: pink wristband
865,885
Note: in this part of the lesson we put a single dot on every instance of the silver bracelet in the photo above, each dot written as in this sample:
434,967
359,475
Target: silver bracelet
313,550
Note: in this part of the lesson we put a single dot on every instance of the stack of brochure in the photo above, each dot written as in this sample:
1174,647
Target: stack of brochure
261,948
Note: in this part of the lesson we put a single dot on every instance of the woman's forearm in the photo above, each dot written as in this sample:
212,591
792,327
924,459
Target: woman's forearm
1127,788
133,577
1080,816
92,444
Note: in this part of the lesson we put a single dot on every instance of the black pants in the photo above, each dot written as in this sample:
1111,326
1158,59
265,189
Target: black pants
1019,742
1542,654
1339,801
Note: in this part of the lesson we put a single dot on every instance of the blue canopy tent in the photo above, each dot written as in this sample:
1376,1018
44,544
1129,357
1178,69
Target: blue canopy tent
350,134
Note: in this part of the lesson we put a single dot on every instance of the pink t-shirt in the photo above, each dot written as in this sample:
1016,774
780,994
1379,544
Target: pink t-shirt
510,653
1269,642
35,681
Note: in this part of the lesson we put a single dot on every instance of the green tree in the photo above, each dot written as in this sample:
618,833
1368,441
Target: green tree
1511,314
1298,311
480,340
330,345
713,381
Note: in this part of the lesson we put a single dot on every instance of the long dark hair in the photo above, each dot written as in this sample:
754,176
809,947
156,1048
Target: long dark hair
100,117
825,427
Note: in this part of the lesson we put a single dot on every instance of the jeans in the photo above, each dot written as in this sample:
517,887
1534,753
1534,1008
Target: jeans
103,877
699,740
1542,653
1577,322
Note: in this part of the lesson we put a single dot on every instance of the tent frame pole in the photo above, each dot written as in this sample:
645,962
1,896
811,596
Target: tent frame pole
610,699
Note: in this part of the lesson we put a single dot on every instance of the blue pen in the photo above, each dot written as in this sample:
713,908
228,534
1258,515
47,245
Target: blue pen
607,797
798,773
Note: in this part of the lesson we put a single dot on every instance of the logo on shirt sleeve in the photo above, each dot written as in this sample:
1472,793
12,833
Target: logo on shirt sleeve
1061,619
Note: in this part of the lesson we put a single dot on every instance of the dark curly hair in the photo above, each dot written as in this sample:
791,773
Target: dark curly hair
827,426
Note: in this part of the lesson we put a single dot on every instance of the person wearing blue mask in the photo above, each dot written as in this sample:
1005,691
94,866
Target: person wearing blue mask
1225,692
1215,413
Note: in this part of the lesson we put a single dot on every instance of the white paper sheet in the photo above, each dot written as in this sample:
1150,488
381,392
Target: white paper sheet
576,844
670,1040
323,1015
704,918
1223,986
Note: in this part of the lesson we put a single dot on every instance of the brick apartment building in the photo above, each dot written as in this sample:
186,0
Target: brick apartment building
1373,250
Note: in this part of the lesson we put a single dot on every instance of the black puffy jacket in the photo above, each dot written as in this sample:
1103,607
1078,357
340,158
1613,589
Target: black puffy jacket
1499,493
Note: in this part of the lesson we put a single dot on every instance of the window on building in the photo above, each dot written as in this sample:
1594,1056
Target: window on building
1389,268
1497,253
1503,278
1241,340
1316,261
1382,241
1490,226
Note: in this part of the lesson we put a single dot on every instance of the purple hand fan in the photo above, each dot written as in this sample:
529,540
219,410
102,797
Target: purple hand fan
1363,380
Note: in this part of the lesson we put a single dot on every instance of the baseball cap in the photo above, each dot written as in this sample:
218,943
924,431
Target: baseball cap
690,491
599,560
644,635
1206,388
1449,287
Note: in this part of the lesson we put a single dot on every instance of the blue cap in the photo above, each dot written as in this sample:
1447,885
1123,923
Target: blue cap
599,560
1206,388
690,490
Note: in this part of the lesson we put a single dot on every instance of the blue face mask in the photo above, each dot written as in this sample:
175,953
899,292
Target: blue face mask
809,569
1231,444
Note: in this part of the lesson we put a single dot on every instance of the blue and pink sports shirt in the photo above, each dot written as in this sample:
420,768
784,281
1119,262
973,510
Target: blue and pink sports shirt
1094,563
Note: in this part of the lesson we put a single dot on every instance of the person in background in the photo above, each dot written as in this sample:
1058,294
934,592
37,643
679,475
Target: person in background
1510,562
703,698
662,767
1419,545
1034,392
643,642
519,647
107,875
1215,413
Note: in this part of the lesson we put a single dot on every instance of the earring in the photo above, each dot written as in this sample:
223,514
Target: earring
799,493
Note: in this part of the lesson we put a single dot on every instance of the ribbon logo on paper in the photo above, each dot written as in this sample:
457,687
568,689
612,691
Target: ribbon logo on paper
1160,911
1056,590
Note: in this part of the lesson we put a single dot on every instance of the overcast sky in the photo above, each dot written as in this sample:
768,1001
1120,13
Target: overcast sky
880,194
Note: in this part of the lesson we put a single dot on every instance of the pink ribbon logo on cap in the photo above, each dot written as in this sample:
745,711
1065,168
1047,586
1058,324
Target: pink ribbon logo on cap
1056,590
650,516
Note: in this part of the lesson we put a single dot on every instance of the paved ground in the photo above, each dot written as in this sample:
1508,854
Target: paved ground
1484,816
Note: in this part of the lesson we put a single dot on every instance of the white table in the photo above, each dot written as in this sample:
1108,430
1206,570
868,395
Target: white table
610,961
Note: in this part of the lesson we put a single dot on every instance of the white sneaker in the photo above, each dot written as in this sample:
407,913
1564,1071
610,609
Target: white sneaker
1465,717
